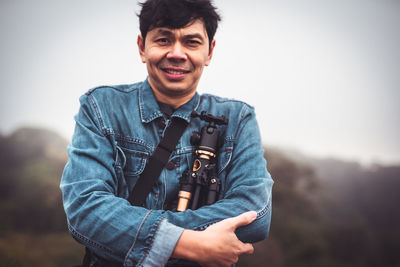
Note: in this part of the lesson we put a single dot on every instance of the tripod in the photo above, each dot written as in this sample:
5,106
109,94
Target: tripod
200,186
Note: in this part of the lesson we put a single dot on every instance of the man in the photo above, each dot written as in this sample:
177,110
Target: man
118,129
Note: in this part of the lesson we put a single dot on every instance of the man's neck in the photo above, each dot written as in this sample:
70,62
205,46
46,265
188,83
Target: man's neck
173,101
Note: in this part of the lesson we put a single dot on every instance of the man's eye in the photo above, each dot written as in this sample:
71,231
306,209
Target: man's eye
193,42
162,40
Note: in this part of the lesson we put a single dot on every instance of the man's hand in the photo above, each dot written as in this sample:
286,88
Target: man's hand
217,245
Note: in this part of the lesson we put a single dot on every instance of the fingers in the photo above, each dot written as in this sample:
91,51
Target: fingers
243,219
247,249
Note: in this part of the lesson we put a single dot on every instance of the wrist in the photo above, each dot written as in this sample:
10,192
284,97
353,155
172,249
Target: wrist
189,246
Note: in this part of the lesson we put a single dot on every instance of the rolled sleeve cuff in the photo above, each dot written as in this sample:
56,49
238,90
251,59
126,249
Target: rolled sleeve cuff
163,245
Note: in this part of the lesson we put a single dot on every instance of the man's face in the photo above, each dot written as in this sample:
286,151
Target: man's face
175,58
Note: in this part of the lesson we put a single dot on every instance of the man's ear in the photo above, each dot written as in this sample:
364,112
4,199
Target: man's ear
140,43
210,52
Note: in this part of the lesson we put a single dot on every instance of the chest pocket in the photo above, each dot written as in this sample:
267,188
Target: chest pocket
224,160
131,159
135,162
225,155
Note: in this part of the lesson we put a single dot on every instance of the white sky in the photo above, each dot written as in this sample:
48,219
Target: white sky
323,75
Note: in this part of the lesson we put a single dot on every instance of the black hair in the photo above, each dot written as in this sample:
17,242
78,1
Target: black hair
176,14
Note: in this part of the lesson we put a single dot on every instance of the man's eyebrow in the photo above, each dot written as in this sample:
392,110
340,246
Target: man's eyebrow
194,35
164,32
188,36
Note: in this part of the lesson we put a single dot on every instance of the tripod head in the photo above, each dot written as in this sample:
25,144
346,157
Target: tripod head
211,119
208,138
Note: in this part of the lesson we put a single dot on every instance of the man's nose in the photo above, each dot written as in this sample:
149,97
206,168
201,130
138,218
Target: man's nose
177,52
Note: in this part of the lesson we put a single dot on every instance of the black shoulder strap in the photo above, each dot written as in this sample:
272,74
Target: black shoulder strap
157,161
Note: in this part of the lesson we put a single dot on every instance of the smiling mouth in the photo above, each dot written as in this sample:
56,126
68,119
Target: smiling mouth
175,71
175,75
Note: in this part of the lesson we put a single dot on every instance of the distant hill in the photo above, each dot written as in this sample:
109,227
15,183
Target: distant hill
27,144
31,162
349,184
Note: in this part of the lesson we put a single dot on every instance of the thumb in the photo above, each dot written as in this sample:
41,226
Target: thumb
243,219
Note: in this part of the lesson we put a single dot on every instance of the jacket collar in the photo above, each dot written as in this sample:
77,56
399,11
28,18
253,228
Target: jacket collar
149,109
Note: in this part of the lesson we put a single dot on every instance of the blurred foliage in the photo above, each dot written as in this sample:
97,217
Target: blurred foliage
44,249
326,212
33,222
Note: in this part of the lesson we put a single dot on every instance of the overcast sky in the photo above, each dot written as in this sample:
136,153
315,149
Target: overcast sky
323,75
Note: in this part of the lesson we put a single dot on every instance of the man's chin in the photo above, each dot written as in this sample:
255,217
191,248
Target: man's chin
177,91
173,89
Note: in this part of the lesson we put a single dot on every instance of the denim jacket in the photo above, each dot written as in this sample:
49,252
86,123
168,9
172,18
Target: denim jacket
117,129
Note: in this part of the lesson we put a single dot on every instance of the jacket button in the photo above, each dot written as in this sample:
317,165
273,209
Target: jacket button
161,124
170,165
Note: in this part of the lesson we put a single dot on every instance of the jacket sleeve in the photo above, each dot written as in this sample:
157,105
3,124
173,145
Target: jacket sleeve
248,187
97,218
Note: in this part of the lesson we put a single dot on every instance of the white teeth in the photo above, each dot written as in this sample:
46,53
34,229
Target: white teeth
177,72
